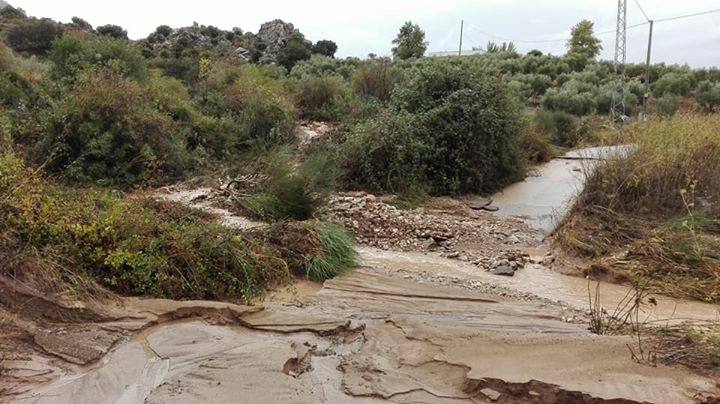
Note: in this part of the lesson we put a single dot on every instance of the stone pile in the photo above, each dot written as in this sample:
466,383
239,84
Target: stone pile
478,237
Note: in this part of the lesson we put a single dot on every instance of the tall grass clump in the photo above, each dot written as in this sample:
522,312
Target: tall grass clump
660,202
337,255
291,191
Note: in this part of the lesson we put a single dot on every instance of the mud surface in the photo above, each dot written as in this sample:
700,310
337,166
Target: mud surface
371,335
423,320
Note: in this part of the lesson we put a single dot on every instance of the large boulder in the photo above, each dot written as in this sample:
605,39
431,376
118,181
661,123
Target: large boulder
274,34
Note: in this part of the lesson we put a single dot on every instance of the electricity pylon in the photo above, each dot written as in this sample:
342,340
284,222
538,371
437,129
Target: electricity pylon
617,106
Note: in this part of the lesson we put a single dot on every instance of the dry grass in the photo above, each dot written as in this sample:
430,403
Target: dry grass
656,210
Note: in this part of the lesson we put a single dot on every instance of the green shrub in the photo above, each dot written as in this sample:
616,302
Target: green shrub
319,65
673,84
376,79
667,105
561,127
453,127
292,192
34,36
109,131
296,49
257,104
325,47
315,250
320,97
707,94
573,97
112,31
71,56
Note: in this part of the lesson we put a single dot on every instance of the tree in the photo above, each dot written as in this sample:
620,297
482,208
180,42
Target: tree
164,30
78,22
583,42
114,31
410,42
34,37
297,48
325,47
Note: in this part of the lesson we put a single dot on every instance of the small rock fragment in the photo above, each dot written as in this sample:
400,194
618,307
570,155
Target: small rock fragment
491,394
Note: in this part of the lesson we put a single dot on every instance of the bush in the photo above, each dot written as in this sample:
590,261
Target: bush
289,192
325,47
570,100
297,49
320,97
71,56
112,31
708,95
375,79
560,126
108,131
35,36
78,22
673,84
450,127
667,105
256,102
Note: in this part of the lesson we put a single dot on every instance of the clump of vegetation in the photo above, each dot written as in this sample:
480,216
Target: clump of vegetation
666,106
138,246
321,97
410,42
108,131
708,95
290,192
34,36
449,128
660,201
330,246
255,101
376,79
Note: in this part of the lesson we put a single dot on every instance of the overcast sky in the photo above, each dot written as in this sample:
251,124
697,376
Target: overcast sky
368,26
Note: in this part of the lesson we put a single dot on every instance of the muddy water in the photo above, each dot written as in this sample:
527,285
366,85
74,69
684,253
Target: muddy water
545,196
541,282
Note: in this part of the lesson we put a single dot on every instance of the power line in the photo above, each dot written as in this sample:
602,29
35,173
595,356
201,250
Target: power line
612,31
642,11
688,15
565,39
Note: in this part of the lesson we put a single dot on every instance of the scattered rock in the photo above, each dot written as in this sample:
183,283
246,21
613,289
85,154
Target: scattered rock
479,203
491,208
504,270
491,394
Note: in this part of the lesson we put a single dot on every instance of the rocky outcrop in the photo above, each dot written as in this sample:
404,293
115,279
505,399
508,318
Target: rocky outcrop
274,35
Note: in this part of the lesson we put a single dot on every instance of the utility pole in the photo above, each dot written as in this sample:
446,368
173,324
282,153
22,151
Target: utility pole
647,69
617,107
462,25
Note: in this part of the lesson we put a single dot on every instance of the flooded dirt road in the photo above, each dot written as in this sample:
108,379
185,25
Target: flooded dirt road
406,327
